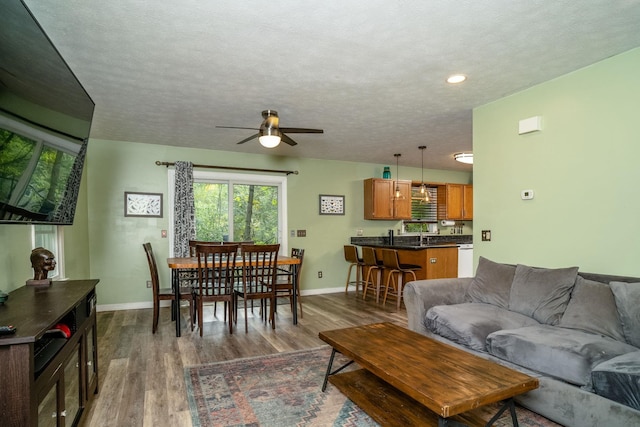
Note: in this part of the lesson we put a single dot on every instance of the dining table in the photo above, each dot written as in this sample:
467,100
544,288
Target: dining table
177,264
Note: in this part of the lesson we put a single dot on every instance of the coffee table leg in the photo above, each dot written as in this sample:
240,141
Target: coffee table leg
508,404
328,373
511,406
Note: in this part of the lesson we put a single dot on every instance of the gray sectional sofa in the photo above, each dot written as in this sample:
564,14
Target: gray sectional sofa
579,333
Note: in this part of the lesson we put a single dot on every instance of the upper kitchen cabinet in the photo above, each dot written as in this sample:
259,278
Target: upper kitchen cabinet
379,200
455,202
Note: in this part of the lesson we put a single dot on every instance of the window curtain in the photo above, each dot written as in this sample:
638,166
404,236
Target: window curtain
184,215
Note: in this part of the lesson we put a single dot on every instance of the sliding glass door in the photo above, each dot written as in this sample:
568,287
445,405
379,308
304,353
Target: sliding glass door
239,207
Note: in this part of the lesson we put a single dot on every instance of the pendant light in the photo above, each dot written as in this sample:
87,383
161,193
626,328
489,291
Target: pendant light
424,191
397,194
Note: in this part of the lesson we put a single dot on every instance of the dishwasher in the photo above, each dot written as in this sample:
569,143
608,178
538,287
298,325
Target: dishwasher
465,260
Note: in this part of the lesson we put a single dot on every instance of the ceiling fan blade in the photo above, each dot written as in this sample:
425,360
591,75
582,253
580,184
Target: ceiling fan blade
249,139
300,130
235,127
287,140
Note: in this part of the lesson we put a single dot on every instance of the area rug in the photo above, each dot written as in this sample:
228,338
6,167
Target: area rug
283,390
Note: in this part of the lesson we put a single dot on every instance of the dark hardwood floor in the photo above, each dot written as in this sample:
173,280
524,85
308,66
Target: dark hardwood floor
142,374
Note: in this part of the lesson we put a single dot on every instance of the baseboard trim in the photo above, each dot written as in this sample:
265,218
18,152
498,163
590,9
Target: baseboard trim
149,304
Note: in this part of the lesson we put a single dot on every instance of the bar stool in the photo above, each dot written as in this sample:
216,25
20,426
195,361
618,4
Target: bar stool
351,256
374,272
396,272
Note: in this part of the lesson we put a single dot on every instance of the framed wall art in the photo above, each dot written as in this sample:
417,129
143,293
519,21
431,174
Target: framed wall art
143,204
331,204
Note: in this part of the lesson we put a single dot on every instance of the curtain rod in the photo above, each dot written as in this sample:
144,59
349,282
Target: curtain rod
167,164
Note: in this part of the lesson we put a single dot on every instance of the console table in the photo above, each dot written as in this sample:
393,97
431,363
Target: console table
46,377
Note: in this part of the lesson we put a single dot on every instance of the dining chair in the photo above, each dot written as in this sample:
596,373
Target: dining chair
216,273
396,272
284,282
351,256
165,294
258,276
373,275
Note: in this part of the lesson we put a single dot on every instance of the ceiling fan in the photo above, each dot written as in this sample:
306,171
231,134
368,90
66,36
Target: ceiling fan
270,133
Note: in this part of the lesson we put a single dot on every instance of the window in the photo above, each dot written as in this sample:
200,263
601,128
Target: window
50,237
237,207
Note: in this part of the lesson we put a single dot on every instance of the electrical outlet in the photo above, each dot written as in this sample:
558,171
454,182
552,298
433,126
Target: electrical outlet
319,274
486,235
148,283
302,233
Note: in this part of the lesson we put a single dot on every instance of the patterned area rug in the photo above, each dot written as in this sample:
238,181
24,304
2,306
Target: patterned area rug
283,390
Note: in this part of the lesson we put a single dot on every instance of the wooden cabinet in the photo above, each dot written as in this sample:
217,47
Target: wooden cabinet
455,202
54,389
379,200
436,263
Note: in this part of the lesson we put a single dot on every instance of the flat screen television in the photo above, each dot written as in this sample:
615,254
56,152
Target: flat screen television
45,119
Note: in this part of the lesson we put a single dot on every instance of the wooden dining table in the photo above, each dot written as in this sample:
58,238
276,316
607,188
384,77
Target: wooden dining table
189,263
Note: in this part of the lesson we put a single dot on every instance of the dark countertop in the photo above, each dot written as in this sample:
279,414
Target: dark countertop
413,242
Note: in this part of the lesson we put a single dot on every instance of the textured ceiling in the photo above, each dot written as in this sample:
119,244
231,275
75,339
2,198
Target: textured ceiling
371,73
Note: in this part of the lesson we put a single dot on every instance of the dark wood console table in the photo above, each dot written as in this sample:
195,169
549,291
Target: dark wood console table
45,377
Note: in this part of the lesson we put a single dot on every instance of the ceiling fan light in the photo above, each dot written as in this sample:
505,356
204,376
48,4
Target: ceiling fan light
269,141
464,158
269,136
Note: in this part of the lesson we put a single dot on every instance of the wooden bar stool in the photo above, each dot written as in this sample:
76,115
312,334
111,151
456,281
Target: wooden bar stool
373,269
351,256
396,272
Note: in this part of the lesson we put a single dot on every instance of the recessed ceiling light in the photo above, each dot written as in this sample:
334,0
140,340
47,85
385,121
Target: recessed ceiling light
456,78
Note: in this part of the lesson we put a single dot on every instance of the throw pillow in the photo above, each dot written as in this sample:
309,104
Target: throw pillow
492,283
542,293
627,297
592,308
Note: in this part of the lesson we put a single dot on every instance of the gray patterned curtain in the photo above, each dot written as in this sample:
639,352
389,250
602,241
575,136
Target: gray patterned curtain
184,215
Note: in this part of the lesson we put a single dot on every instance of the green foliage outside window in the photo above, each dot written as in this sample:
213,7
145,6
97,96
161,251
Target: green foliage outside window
255,212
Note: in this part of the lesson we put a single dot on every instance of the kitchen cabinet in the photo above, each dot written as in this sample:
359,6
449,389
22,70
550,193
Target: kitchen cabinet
379,201
435,263
455,202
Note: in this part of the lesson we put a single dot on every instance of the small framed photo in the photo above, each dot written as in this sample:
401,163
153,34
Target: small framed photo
331,204
143,204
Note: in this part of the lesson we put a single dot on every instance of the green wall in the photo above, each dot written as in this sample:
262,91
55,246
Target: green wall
15,247
117,257
582,166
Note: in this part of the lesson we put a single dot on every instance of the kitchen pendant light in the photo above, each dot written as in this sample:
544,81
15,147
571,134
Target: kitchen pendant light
397,194
424,191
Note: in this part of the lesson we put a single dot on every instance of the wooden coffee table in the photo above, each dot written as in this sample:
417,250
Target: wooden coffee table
410,379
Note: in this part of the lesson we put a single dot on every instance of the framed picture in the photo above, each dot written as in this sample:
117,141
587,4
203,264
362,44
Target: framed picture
331,204
143,204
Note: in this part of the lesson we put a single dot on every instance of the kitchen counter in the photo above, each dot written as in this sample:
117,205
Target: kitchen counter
437,256
410,246
413,242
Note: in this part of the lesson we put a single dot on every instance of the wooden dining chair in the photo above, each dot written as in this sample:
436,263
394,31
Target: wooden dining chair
351,256
259,264
216,277
396,272
373,272
165,294
284,282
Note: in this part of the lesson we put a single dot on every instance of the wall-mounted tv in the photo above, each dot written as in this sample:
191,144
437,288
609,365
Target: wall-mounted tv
45,119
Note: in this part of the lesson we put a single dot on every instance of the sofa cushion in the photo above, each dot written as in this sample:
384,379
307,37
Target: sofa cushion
469,324
627,296
567,354
592,308
618,379
492,283
542,293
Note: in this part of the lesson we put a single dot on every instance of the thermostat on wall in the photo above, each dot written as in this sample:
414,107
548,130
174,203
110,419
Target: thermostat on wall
526,194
